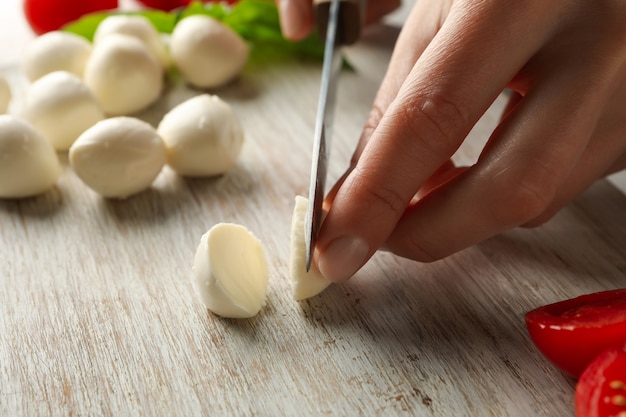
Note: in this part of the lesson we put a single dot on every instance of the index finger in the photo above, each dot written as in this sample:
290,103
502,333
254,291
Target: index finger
455,80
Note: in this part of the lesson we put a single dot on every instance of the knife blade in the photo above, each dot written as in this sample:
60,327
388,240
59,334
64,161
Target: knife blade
339,22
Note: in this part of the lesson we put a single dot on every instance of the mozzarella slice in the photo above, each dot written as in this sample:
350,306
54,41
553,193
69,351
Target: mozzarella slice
305,284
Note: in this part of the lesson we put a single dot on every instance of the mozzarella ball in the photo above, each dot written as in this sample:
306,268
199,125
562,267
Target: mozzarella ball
118,157
28,163
5,95
124,76
61,107
56,51
207,53
231,272
203,136
138,27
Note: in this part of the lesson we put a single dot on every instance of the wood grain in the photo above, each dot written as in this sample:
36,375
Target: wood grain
98,315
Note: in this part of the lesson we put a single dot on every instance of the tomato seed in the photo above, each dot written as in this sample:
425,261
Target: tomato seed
619,400
617,384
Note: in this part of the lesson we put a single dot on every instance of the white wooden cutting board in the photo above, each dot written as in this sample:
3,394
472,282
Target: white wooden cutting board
98,314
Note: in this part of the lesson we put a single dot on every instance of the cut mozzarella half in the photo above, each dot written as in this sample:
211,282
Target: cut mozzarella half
231,271
305,284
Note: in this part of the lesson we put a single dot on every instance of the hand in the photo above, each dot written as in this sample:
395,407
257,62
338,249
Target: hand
565,61
297,17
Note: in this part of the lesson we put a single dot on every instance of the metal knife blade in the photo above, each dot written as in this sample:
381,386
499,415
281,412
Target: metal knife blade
341,20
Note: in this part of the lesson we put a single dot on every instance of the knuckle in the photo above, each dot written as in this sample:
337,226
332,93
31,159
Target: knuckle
519,199
380,197
436,122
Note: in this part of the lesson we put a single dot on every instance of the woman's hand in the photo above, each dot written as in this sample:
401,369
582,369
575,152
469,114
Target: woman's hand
564,60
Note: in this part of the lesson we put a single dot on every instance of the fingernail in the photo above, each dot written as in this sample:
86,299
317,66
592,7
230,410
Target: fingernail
343,257
289,18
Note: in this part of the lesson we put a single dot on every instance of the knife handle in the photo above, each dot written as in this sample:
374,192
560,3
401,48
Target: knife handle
351,19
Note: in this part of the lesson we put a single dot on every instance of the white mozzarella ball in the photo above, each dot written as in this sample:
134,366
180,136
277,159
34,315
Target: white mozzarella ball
207,53
231,271
123,75
56,51
138,27
28,163
61,107
5,95
118,157
203,136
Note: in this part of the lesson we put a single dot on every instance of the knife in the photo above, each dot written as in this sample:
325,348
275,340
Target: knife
339,22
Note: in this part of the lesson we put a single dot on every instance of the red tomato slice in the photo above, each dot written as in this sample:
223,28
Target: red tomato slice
164,4
573,332
601,390
48,15
168,5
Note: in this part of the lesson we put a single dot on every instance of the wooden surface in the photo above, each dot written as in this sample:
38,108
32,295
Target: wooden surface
98,314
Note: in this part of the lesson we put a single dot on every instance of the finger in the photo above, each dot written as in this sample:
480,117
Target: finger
445,173
410,44
529,158
296,18
599,161
604,155
451,85
412,41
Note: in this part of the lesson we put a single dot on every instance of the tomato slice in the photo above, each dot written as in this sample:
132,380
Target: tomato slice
573,332
164,4
48,15
169,5
601,390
